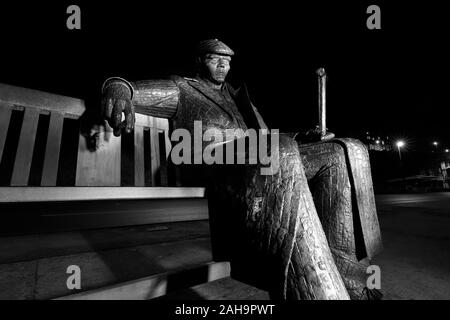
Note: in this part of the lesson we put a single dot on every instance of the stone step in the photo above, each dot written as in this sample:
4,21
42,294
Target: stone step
28,247
63,216
156,285
46,278
225,288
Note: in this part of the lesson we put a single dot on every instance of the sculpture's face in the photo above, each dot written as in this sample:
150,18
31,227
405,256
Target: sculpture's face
216,67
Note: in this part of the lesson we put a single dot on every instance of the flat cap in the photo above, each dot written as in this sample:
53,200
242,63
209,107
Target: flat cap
214,46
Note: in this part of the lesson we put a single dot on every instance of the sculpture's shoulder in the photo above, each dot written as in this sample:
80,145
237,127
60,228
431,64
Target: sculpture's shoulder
182,81
232,90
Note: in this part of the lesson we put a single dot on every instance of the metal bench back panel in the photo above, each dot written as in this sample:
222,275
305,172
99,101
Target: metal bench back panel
99,168
24,155
52,149
102,167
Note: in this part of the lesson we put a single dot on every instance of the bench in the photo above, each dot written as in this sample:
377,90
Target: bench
44,157
51,181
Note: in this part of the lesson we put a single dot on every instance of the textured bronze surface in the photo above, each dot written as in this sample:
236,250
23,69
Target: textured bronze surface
213,46
312,200
322,83
340,181
287,228
158,98
306,232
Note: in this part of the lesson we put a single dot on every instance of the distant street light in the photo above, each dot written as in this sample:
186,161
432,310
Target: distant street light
446,150
399,144
435,143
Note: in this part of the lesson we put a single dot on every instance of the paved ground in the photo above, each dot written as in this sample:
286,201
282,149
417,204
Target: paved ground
415,263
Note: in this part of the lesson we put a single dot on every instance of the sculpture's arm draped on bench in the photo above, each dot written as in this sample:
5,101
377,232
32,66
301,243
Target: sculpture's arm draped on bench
156,98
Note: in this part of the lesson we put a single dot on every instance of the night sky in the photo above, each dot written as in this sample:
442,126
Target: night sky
392,81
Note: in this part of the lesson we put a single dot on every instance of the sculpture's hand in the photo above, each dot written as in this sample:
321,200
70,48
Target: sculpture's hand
313,135
115,101
327,136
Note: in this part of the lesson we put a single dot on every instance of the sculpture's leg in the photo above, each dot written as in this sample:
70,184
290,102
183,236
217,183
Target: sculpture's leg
328,177
282,231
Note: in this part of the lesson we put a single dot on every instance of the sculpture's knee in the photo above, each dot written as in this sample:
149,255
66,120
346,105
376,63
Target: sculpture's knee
283,150
289,153
358,148
320,159
287,146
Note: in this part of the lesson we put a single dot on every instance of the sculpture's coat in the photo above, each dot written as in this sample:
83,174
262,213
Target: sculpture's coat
312,227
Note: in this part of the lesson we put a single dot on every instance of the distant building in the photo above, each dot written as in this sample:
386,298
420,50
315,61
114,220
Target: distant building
378,142
430,173
418,169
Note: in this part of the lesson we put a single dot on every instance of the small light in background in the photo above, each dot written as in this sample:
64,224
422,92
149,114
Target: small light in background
399,144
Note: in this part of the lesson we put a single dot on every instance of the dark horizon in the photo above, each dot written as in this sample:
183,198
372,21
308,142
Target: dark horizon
389,81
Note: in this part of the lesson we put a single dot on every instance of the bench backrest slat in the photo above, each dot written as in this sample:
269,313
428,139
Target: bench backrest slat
101,167
29,98
52,149
139,165
5,116
93,168
154,154
24,155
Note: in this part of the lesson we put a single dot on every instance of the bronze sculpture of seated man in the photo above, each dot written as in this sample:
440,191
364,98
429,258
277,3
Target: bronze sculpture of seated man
307,231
